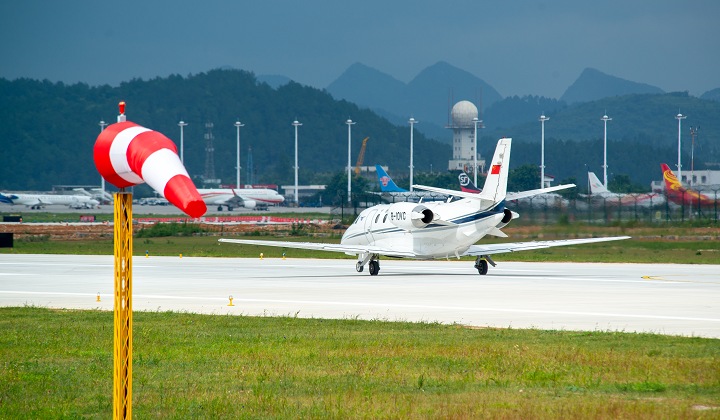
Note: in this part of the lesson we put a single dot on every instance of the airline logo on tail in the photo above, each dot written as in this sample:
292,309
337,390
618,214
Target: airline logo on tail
384,180
464,179
671,181
386,183
467,185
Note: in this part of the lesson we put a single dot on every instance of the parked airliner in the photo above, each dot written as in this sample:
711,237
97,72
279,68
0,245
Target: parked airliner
242,197
599,192
435,230
38,201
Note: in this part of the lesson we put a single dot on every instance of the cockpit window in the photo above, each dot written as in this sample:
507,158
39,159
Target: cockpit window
377,218
385,217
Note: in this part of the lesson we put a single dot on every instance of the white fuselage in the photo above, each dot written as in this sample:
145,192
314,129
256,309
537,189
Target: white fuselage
262,196
42,200
470,223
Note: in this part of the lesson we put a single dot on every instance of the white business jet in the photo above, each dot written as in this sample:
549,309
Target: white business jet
435,230
243,197
38,201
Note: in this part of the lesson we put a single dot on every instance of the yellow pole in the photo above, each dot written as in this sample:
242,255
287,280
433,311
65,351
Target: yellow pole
122,370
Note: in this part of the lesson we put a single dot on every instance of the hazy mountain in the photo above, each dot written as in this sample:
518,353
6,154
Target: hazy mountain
425,98
594,84
515,110
712,95
274,80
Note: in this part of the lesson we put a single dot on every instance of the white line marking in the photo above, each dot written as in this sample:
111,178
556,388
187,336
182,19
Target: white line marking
384,305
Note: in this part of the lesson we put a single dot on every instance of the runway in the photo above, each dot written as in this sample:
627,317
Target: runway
661,298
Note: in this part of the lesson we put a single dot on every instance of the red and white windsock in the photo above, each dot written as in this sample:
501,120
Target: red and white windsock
127,154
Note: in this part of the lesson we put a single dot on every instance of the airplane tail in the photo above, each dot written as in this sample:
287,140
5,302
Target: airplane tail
5,199
596,187
495,187
386,183
671,181
466,185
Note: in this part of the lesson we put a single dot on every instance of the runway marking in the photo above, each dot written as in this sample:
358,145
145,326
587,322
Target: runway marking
385,305
681,281
75,265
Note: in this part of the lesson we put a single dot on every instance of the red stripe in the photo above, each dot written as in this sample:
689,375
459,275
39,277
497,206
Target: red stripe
144,145
495,170
101,153
181,191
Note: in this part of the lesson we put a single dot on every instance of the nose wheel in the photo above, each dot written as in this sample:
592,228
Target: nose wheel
359,267
482,267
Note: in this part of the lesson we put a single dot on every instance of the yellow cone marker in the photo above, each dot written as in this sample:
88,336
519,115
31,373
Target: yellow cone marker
231,298
261,255
98,299
180,255
147,254
283,256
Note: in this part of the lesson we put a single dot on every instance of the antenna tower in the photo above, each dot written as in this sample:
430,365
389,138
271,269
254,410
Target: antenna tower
249,177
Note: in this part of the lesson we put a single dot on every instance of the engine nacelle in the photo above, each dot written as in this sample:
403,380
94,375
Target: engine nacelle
410,216
249,204
507,217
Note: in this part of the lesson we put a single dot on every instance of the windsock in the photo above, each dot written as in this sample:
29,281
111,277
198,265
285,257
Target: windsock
127,154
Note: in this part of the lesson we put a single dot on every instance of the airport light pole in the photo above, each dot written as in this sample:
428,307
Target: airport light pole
542,120
679,117
237,166
296,124
412,122
605,119
349,123
103,124
476,121
182,124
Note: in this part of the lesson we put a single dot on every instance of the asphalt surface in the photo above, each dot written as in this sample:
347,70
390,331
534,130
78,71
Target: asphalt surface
661,298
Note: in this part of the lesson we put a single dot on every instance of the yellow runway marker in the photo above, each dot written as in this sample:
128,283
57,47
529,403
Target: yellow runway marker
681,281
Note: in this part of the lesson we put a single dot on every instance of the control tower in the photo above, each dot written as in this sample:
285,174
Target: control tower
463,129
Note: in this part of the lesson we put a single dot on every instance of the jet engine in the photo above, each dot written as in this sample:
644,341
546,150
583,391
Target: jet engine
410,216
507,217
249,204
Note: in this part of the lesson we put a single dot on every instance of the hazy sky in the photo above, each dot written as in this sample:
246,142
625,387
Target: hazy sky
519,47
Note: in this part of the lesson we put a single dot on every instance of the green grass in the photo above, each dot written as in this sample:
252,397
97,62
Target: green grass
58,364
628,251
45,217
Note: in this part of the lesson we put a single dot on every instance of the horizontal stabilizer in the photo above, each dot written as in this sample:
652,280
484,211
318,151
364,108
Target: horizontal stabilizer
530,193
497,232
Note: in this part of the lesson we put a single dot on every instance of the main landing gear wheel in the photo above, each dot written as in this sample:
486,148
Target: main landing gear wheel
219,208
374,268
482,267
359,267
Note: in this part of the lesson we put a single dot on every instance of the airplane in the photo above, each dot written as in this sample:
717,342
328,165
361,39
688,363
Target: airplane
38,201
389,189
435,230
245,197
680,195
598,191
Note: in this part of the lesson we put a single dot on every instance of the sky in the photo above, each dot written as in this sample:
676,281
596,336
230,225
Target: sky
519,47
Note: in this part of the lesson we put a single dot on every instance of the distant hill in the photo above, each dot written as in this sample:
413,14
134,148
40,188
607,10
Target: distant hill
712,95
49,129
425,98
274,80
594,84
514,110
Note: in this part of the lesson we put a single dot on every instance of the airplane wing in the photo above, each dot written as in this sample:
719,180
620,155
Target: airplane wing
359,249
488,249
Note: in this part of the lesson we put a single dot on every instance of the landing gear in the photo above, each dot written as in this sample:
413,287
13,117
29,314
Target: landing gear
359,267
219,208
374,267
482,267
482,263
230,208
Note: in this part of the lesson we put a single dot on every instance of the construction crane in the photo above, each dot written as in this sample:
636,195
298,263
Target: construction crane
361,157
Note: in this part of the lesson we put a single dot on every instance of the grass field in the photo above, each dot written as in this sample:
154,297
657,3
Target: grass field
58,364
636,251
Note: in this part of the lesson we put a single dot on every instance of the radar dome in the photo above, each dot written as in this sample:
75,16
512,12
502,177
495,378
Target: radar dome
463,113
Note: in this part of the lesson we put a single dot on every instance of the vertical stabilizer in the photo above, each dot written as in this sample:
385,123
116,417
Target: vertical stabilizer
466,184
386,184
596,187
496,182
671,181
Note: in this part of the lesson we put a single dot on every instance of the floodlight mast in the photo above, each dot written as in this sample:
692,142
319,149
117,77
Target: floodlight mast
296,124
412,122
679,117
476,121
237,166
182,124
542,120
103,124
605,119
349,123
